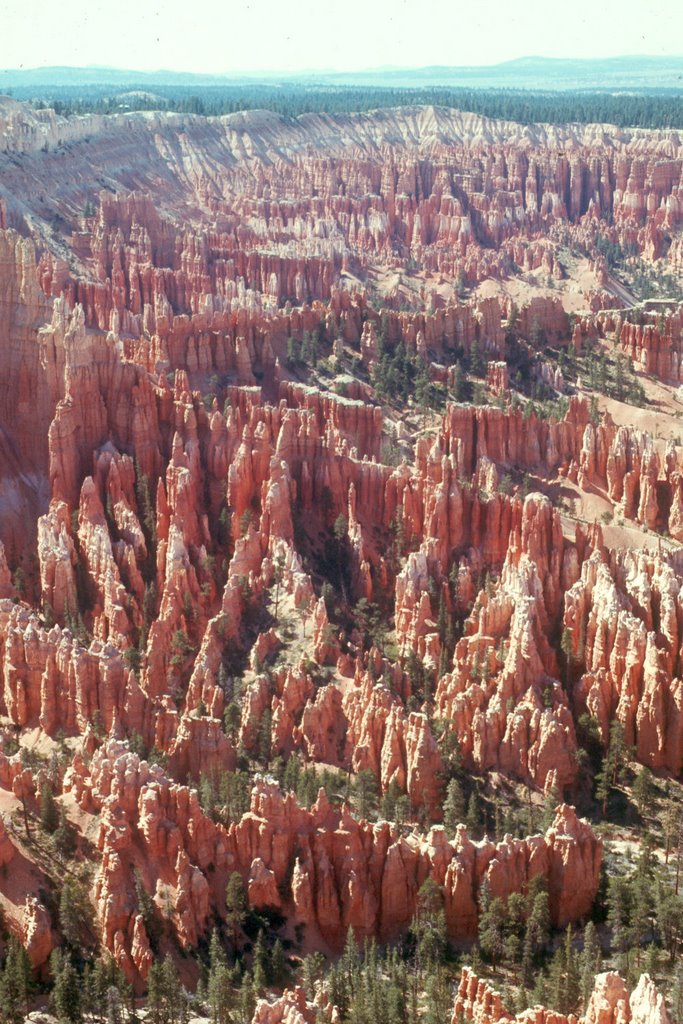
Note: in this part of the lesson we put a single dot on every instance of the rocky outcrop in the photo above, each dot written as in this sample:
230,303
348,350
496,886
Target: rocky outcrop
327,870
504,695
26,398
622,617
241,552
36,932
7,849
609,1003
655,346
291,1007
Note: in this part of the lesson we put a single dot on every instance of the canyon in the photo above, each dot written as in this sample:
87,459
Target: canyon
334,442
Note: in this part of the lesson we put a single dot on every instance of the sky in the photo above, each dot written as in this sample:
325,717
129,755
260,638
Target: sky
230,36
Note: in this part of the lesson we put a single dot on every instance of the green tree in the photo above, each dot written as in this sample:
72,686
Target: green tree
590,961
49,811
512,320
644,791
166,998
365,794
260,964
429,927
571,982
615,761
279,969
537,337
458,385
676,994
388,802
114,1006
265,738
75,914
477,361
492,921
16,983
66,990
671,826
313,966
439,998
235,905
473,815
340,528
618,900
278,576
220,996
453,807
669,918
246,1003
537,932
641,900
65,838
568,654
148,912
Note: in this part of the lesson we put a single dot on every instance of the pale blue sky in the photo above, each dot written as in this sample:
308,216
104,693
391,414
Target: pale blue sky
231,36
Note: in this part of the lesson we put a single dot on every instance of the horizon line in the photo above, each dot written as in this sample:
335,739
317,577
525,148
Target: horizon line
378,69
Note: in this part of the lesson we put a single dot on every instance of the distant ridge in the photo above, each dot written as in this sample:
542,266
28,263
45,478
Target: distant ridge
626,73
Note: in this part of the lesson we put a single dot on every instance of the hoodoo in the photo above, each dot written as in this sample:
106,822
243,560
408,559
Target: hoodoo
341,620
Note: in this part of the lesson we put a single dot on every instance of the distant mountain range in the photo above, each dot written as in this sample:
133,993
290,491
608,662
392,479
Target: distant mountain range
628,74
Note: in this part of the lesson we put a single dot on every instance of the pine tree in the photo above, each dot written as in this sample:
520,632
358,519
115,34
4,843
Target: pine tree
246,1002
220,996
676,995
492,922
473,816
350,961
166,998
439,999
651,963
278,577
155,993
641,903
458,382
265,733
453,807
538,924
572,984
527,972
365,794
313,966
429,926
278,964
148,912
540,989
75,914
388,804
671,826
65,838
590,961
66,991
669,917
260,964
567,647
49,811
16,983
556,980
114,1006
477,362
618,898
93,995
603,787
644,791
236,905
